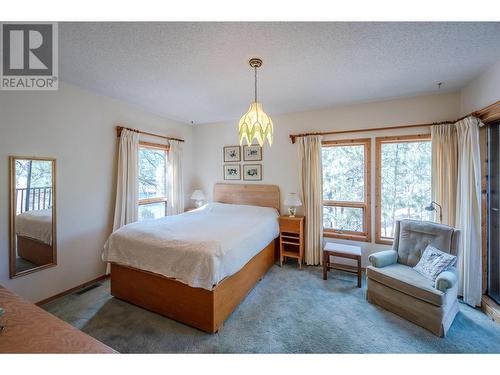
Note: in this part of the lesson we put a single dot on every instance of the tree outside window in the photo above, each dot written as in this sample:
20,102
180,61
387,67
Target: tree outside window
346,181
403,182
152,180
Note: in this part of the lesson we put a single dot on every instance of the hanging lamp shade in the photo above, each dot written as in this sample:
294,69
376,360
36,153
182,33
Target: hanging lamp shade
256,125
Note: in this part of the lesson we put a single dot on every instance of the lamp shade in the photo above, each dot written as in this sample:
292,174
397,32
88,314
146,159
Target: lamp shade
292,200
256,125
198,195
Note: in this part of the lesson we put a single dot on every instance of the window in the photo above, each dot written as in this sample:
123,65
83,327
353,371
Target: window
403,182
152,180
346,189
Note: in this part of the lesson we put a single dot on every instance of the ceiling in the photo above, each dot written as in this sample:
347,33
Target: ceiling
199,71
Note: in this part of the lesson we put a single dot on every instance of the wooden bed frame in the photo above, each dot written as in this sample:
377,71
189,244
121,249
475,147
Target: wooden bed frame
35,251
198,307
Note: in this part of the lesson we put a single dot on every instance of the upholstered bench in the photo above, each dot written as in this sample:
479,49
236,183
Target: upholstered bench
342,251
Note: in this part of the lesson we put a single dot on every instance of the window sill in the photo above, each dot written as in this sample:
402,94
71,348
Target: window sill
384,241
152,200
345,236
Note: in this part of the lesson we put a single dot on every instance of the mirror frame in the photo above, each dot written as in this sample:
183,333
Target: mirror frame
12,207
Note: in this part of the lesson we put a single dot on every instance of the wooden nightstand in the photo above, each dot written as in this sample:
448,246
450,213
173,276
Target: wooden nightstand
291,238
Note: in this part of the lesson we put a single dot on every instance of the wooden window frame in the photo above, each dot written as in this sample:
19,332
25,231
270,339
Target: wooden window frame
364,236
157,146
379,141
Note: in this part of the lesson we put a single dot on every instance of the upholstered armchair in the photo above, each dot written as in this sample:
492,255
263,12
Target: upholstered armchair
393,284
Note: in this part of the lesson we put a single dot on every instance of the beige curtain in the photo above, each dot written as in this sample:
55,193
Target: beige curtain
445,169
468,215
126,182
311,191
126,210
456,185
175,202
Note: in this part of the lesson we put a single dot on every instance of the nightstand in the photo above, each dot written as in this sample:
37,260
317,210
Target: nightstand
189,209
291,238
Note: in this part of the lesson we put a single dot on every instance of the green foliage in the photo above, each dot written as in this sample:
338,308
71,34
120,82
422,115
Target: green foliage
406,182
343,218
40,174
343,173
343,180
152,173
405,178
33,184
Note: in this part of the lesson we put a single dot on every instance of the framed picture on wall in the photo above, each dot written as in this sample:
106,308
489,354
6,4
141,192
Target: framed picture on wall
232,154
252,172
252,153
232,172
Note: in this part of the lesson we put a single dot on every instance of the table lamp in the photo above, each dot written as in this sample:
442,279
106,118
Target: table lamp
198,198
292,201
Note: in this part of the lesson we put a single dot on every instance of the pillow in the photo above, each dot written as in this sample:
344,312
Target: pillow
433,262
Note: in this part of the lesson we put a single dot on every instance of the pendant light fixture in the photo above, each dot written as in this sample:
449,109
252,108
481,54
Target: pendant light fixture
256,124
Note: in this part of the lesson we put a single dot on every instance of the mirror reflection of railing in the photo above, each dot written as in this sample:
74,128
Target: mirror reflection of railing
28,199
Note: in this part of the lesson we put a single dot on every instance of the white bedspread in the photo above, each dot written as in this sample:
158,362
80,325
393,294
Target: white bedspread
199,248
36,224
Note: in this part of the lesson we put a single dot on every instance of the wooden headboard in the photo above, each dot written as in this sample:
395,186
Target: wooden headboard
255,195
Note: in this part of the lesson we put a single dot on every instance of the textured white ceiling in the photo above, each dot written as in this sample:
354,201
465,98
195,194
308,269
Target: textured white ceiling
199,71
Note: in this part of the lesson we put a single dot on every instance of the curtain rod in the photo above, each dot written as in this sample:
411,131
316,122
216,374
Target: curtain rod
489,114
120,128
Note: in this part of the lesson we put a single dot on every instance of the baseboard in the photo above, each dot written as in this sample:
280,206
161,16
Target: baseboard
490,308
69,291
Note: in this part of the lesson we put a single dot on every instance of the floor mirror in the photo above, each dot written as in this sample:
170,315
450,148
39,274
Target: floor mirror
33,244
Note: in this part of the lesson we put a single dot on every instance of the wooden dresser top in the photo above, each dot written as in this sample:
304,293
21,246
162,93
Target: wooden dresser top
30,329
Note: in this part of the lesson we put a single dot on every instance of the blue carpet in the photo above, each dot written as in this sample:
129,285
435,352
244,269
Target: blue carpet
289,311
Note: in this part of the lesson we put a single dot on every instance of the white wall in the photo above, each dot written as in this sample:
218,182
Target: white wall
78,129
482,91
280,162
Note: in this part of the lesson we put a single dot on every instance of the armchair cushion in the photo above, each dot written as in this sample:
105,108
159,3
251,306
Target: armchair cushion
408,281
446,279
383,258
414,236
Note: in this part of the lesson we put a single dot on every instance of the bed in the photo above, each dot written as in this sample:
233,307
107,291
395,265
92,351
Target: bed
34,236
196,267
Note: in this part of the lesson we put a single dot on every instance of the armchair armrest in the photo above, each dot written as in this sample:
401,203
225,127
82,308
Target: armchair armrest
446,280
383,258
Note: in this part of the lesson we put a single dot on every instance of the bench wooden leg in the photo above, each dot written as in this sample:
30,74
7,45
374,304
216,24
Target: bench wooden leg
325,265
359,272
